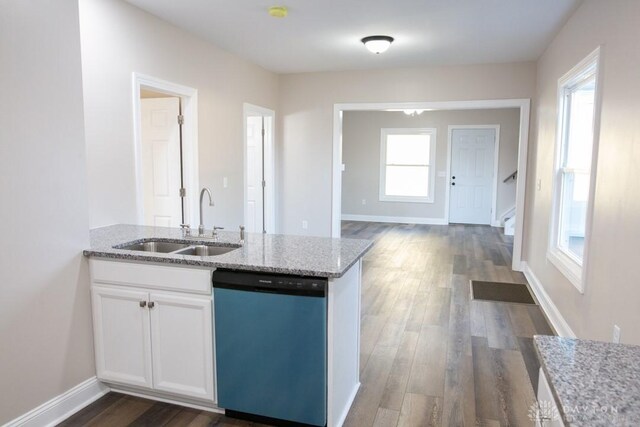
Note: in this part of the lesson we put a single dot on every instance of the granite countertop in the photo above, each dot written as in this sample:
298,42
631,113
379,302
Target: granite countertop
594,383
268,253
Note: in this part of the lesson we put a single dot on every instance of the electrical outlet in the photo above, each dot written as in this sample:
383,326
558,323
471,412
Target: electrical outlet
225,182
364,201
305,224
539,184
344,167
616,334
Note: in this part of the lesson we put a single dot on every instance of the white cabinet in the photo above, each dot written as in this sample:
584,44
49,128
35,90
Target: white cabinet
160,340
122,335
182,345
548,415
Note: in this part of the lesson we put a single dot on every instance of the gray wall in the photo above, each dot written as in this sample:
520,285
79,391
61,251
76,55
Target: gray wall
361,155
612,290
305,139
46,345
119,39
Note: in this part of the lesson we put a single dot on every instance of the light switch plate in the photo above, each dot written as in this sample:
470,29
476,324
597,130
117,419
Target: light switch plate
616,334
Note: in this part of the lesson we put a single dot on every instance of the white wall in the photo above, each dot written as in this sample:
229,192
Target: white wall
306,107
361,156
46,346
118,39
613,286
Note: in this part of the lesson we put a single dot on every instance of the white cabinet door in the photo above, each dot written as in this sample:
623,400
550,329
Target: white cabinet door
182,344
548,414
122,336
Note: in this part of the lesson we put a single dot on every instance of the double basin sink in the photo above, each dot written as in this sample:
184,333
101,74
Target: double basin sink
159,246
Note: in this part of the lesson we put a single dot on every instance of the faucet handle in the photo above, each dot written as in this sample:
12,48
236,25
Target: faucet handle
242,234
214,230
186,230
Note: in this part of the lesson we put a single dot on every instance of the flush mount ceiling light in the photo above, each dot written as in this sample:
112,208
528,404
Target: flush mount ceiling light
377,44
278,11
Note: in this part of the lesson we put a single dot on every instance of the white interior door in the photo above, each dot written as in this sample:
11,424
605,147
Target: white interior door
471,180
161,161
255,174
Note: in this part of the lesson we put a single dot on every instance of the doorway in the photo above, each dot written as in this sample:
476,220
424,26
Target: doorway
473,163
165,135
259,180
524,107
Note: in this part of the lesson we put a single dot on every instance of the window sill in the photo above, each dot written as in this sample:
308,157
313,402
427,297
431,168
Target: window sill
405,199
568,267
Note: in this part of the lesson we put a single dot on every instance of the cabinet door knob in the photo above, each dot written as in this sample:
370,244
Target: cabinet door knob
143,304
152,304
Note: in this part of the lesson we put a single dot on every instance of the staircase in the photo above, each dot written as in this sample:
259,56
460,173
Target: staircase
510,226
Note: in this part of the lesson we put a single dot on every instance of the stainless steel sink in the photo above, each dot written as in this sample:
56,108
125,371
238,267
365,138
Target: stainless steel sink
155,246
206,250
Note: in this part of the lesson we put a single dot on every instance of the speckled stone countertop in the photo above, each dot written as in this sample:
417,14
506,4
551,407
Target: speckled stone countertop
267,253
594,383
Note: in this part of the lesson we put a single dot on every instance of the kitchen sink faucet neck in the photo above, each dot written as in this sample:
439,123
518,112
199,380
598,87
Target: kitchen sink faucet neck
202,193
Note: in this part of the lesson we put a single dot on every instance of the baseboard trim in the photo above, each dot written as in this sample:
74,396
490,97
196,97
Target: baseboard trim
161,398
395,219
552,312
62,406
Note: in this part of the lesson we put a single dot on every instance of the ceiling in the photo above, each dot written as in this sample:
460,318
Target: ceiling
323,35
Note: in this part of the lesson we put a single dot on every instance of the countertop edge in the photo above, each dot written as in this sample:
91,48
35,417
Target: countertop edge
89,253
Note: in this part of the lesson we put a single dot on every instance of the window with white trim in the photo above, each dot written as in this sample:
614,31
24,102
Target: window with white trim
573,179
407,158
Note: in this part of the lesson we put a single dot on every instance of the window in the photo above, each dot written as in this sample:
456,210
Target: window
406,165
576,147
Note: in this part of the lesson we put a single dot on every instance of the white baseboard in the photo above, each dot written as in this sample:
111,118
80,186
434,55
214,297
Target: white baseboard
63,406
558,322
162,398
395,219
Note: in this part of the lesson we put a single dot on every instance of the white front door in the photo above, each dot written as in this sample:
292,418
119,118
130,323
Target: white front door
471,180
161,161
255,174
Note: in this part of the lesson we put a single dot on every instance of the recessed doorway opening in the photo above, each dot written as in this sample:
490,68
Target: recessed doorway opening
166,152
522,110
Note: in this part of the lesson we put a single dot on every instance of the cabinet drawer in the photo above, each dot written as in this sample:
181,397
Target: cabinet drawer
181,279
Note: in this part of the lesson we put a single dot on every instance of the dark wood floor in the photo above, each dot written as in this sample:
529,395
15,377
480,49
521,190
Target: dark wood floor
429,354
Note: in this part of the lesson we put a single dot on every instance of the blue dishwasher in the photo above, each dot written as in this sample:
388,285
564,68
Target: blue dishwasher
271,347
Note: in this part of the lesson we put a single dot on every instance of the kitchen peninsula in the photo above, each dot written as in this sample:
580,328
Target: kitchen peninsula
155,314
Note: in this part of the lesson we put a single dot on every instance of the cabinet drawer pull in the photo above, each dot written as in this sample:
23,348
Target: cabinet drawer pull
152,304
143,304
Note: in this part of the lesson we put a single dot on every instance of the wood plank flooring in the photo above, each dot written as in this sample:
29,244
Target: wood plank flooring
430,356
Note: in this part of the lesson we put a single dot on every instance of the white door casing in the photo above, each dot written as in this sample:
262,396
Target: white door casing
259,201
255,195
161,161
122,336
182,345
472,176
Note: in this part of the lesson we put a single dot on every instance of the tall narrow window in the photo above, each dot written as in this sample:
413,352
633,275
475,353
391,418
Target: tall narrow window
573,172
406,165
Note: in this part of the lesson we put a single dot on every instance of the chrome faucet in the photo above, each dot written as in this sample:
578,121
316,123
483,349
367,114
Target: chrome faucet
201,226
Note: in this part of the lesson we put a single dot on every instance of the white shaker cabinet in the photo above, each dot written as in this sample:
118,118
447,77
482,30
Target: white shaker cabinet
122,335
155,338
182,345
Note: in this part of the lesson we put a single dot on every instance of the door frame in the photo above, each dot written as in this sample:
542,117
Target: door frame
494,222
189,104
269,166
524,104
